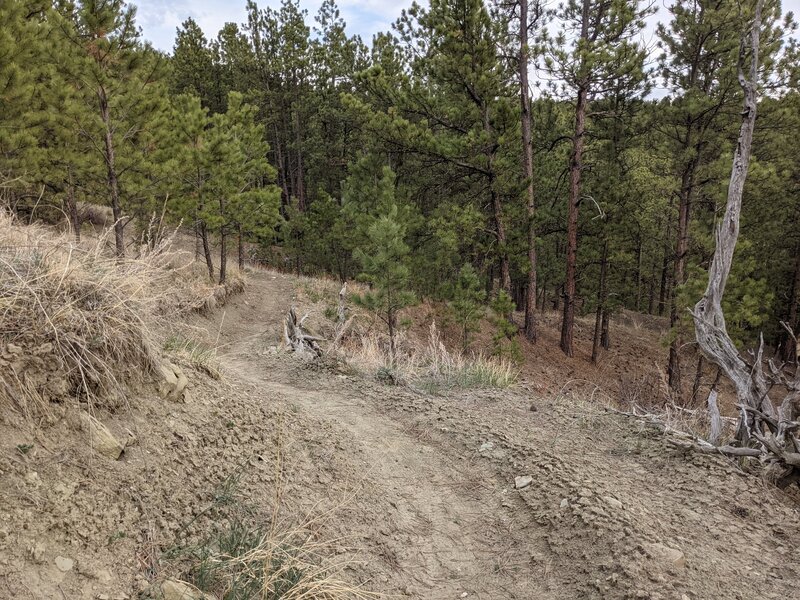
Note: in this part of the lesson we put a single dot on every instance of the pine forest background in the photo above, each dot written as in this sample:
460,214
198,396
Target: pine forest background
479,152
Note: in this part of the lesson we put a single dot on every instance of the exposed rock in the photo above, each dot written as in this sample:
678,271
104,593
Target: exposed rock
174,589
173,381
64,564
612,502
36,552
522,481
100,438
668,558
564,503
486,446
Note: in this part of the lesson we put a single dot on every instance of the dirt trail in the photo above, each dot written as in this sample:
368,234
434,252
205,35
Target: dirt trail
416,492
442,534
613,510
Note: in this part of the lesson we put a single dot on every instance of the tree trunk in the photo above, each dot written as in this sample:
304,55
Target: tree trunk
663,292
575,166
651,291
207,250
568,321
72,210
241,247
497,207
390,321
638,272
679,268
698,378
111,173
197,243
223,255
300,186
527,171
601,302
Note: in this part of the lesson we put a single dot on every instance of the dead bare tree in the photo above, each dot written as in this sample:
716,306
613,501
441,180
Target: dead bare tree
763,426
343,322
297,338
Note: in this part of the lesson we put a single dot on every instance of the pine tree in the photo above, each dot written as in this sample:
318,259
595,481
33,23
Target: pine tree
122,80
20,43
603,52
449,114
225,179
468,303
193,68
506,344
384,262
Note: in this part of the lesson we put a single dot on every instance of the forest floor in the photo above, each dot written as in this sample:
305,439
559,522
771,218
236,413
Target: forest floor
417,493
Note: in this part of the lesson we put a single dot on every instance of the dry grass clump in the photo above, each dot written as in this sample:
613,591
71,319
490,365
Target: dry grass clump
245,553
432,367
199,356
244,562
75,321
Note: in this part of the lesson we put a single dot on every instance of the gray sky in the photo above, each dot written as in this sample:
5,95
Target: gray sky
159,18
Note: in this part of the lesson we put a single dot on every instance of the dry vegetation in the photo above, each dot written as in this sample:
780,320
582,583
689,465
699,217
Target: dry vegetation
424,359
77,323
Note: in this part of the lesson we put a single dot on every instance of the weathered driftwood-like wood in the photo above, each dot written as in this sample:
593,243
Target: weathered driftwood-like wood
343,322
341,312
762,425
716,419
296,338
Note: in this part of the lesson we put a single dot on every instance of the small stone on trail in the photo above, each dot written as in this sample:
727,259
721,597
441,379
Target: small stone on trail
523,481
533,408
100,438
64,564
564,503
613,502
464,595
486,446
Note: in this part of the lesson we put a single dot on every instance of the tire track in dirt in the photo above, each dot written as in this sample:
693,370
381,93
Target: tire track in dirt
446,531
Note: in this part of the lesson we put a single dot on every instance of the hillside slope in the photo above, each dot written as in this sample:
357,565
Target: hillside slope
415,494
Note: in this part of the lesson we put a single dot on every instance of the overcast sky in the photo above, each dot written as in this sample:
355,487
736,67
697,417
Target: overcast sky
159,18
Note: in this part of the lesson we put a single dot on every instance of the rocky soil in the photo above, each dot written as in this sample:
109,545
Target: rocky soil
521,493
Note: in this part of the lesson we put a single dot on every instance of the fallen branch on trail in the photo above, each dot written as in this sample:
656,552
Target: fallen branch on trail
296,338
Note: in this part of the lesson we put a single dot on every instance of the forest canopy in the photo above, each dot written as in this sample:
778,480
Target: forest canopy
475,148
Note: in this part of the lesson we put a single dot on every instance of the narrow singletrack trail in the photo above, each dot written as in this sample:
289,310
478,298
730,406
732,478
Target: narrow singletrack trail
446,533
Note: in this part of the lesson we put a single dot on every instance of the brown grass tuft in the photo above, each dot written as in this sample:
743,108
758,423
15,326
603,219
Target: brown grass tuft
77,322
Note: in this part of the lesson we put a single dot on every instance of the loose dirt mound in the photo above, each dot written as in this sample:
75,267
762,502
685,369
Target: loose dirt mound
418,493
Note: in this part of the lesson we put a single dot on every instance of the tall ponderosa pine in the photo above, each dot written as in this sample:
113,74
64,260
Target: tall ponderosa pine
700,46
225,182
452,114
604,53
